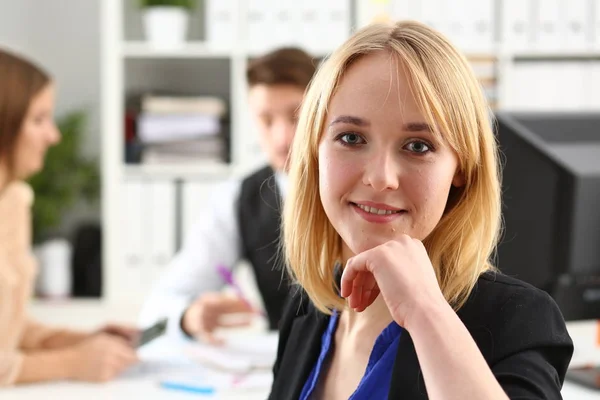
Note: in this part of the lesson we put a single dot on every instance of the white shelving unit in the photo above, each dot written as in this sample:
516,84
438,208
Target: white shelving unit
147,208
508,41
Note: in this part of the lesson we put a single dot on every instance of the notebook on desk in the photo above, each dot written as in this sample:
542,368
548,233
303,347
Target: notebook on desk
239,355
243,364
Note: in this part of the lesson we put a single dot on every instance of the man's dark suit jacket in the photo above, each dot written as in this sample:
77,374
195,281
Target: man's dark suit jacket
518,328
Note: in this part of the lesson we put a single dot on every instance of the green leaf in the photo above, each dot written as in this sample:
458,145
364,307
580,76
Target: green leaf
66,177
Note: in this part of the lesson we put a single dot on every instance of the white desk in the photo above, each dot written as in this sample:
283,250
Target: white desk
85,314
140,383
575,392
144,388
125,389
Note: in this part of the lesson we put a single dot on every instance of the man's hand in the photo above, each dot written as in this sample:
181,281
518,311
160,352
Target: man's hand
207,313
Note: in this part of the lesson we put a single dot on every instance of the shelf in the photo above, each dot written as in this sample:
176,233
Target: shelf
208,170
554,54
481,57
200,50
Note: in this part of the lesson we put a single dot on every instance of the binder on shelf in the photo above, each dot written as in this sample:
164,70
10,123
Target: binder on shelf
517,24
286,22
577,25
132,246
549,24
160,237
222,22
178,105
259,24
480,26
149,231
407,10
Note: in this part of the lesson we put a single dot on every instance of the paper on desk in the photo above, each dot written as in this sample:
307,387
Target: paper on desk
239,355
221,381
254,380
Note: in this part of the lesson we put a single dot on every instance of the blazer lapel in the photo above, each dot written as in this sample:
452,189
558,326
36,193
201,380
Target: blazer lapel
407,379
302,351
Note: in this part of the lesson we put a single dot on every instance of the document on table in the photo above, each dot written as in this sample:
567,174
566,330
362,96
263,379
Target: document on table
244,362
239,355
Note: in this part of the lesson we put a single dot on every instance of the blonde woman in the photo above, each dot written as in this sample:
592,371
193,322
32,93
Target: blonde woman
394,174
29,351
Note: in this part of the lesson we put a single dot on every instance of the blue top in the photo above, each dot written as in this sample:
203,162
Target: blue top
375,383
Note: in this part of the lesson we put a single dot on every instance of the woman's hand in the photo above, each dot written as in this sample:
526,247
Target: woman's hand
101,358
130,334
400,270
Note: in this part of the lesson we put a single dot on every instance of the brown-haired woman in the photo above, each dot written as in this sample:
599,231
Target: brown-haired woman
29,351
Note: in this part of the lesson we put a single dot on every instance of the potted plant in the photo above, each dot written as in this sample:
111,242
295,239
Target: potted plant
66,177
166,21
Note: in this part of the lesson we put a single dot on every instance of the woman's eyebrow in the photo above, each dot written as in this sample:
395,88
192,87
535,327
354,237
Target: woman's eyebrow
348,119
417,127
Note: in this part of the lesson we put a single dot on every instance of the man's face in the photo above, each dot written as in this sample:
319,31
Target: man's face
275,110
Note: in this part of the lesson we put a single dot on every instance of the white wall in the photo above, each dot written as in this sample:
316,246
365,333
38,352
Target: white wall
13,31
64,37
70,49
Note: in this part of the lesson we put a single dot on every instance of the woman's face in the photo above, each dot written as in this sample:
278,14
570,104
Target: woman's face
381,172
38,132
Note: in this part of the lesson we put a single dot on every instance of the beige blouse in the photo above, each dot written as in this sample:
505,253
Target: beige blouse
18,269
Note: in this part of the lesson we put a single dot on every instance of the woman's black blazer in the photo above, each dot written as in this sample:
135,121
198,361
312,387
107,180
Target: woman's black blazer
518,328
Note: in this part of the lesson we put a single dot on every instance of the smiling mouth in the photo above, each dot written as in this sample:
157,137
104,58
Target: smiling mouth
377,211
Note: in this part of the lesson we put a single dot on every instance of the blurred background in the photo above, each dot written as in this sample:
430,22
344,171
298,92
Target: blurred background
119,193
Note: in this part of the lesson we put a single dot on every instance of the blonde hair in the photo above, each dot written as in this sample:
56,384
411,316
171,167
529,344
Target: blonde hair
450,99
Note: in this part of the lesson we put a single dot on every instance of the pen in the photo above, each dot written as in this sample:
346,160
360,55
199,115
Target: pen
187,388
227,276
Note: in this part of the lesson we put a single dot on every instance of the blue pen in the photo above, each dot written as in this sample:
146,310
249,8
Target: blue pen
207,390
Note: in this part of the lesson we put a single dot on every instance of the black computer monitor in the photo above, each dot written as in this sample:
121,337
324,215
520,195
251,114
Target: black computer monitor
551,206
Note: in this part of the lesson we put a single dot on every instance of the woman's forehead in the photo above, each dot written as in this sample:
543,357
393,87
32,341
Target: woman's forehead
374,87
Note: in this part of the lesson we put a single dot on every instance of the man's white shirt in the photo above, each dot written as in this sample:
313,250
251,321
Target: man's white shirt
214,239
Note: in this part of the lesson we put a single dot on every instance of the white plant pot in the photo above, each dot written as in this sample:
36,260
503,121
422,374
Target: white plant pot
166,27
54,261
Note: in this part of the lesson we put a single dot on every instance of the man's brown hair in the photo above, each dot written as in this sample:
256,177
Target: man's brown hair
284,66
20,81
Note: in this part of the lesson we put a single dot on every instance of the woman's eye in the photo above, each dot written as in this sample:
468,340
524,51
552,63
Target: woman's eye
418,147
351,138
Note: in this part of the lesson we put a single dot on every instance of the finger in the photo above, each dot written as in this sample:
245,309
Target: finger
117,366
369,298
357,289
354,266
231,305
210,338
369,284
123,342
123,361
129,353
235,322
348,275
129,333
125,354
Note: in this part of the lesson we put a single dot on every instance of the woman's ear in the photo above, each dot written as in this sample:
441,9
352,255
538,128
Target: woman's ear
459,179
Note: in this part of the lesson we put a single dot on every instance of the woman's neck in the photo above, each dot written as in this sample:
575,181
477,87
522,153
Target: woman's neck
371,321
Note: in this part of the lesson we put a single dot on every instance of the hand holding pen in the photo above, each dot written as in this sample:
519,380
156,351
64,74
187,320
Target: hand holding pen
227,276
209,311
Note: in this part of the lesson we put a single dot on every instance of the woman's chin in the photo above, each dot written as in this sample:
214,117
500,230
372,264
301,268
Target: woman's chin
30,171
360,245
